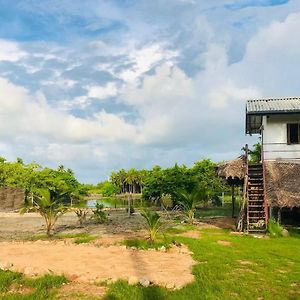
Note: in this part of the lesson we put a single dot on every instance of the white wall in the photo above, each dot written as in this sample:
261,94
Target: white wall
274,138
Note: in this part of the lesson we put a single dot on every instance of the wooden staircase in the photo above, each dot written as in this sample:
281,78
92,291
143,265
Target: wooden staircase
256,214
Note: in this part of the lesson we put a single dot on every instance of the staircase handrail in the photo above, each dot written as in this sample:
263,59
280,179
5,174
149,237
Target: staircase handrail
245,193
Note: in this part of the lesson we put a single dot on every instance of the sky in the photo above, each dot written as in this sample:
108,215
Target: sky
100,85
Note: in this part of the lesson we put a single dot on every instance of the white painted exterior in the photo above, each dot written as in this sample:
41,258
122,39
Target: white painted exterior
274,138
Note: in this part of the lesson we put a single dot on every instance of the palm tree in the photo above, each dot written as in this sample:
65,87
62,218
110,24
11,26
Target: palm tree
153,223
189,202
49,206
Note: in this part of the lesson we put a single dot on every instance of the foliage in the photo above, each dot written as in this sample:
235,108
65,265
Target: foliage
254,153
31,177
48,204
153,223
274,228
180,178
166,201
98,214
189,201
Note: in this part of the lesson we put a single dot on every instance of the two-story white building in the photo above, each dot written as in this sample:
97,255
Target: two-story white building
278,123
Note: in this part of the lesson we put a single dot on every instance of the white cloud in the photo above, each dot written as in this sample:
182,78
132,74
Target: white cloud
144,59
101,92
10,51
24,114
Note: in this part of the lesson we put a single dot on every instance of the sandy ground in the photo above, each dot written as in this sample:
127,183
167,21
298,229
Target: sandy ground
101,260
14,226
89,263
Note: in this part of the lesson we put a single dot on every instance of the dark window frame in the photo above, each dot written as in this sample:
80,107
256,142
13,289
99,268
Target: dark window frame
289,127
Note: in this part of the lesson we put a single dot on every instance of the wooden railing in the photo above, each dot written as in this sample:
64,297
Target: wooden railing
264,183
240,222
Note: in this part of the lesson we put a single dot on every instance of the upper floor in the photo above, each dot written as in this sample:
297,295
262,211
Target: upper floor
278,123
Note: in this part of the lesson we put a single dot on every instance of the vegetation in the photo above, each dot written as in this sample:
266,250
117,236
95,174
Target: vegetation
189,201
81,214
32,177
153,223
48,204
36,288
274,228
263,269
98,214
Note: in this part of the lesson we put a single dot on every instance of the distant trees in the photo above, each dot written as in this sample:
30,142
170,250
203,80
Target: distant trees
131,181
32,177
172,181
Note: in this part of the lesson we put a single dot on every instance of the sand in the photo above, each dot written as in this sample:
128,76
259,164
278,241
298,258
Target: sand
92,263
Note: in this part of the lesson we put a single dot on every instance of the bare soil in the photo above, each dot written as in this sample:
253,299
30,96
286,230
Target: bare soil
90,264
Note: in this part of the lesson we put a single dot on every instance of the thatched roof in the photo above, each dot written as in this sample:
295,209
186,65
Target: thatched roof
233,169
283,184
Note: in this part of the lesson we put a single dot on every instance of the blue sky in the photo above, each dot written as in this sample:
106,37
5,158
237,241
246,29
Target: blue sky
103,85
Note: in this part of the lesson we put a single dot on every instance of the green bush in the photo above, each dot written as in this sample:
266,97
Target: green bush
98,214
274,228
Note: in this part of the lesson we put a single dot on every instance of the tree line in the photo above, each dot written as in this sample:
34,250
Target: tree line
33,177
154,183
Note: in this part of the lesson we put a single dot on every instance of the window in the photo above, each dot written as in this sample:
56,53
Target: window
293,133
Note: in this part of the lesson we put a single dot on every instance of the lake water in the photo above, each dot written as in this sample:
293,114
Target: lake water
116,203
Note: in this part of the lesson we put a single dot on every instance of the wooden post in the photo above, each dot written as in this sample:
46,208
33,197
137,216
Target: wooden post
232,199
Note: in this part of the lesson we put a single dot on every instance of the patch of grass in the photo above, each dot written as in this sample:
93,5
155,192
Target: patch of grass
161,241
39,288
60,236
84,239
218,211
7,278
250,268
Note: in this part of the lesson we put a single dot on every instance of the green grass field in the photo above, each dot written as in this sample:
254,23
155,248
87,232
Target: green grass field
247,268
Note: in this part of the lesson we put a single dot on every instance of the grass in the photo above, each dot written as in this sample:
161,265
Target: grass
144,244
14,286
218,211
79,238
246,268
250,268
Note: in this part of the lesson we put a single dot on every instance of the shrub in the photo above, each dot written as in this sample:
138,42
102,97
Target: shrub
274,228
98,214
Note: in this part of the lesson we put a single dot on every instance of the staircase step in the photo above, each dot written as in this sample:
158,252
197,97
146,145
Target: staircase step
250,206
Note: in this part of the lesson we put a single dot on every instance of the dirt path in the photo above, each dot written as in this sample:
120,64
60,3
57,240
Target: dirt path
88,263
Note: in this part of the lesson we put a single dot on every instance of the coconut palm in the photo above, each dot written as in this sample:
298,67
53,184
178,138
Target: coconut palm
189,202
49,205
153,223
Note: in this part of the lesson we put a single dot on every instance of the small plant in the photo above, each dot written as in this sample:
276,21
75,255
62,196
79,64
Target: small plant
166,201
274,228
153,223
189,202
49,206
98,214
81,215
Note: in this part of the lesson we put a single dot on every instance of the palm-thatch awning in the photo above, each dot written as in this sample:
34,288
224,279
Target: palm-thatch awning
283,184
233,170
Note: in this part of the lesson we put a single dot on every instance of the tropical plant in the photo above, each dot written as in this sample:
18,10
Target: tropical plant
49,205
274,228
189,201
153,223
98,214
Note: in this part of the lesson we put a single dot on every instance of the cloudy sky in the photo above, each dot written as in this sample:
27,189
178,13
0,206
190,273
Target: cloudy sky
99,85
